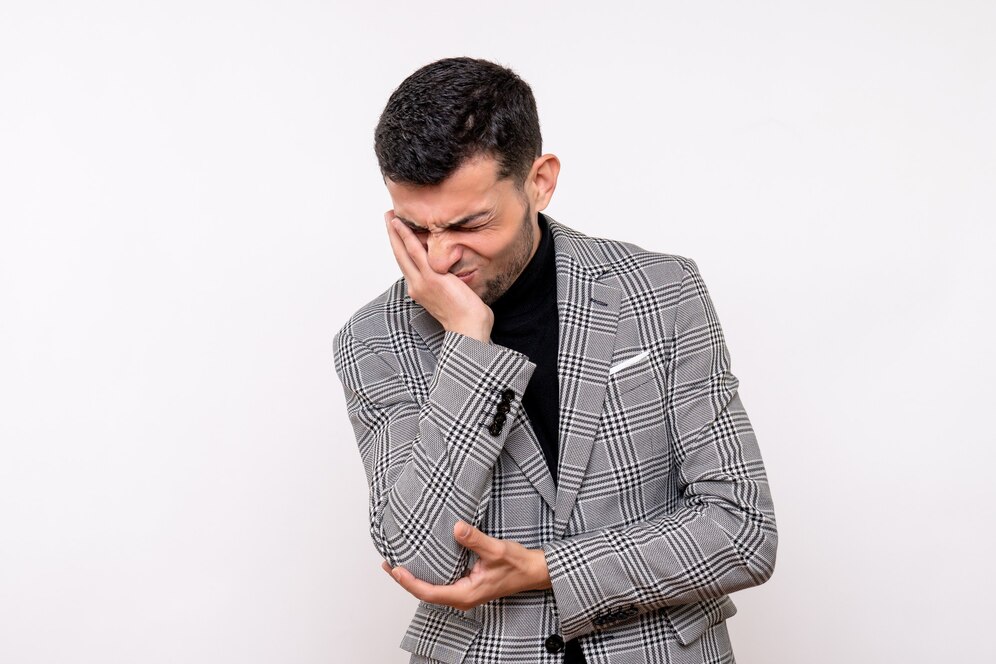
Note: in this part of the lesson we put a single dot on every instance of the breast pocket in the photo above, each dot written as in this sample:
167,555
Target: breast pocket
633,418
636,373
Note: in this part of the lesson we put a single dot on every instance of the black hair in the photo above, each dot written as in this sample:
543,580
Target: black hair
452,110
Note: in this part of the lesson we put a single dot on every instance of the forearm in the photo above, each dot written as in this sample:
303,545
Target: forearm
607,576
430,465
720,539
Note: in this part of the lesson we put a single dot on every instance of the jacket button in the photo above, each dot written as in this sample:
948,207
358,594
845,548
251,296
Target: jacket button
494,429
508,394
499,419
554,643
503,407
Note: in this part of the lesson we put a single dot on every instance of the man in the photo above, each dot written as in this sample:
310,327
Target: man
560,467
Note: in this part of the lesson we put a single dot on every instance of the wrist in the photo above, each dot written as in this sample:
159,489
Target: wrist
475,330
539,574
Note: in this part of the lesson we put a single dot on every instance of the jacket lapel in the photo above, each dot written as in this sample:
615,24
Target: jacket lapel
588,315
524,448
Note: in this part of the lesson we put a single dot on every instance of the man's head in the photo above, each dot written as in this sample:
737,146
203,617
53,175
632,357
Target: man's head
454,109
459,148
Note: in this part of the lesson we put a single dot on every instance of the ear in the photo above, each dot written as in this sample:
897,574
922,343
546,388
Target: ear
542,180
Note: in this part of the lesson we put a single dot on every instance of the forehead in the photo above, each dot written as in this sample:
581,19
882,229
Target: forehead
472,188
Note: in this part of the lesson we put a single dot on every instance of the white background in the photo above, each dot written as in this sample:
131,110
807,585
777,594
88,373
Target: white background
191,208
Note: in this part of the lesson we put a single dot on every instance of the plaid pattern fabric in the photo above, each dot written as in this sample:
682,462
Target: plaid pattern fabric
662,507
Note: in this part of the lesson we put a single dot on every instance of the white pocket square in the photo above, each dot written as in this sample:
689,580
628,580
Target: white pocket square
628,362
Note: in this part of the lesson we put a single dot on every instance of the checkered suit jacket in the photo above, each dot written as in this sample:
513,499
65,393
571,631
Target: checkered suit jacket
662,507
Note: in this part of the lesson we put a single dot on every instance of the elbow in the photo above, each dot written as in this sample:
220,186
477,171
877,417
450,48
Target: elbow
440,567
757,542
419,551
753,541
760,559
753,546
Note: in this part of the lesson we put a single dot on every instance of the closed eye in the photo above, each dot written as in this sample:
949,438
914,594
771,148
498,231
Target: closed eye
461,225
418,230
412,227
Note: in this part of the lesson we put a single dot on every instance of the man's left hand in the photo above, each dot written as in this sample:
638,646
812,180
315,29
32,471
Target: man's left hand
503,568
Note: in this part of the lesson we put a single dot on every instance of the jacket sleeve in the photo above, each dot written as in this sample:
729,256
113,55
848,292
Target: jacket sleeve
429,464
722,538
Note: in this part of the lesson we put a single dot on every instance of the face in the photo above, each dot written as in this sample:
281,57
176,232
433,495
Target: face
472,224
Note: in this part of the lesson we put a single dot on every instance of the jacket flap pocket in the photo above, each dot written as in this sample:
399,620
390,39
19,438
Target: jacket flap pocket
690,621
631,373
440,633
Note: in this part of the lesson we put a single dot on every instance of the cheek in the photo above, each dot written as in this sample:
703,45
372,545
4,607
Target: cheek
492,246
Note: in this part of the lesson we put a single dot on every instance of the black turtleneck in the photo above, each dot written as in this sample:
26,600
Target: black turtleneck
526,320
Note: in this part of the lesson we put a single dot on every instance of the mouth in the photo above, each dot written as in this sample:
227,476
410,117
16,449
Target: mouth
467,276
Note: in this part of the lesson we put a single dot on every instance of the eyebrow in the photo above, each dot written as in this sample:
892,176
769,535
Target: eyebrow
454,224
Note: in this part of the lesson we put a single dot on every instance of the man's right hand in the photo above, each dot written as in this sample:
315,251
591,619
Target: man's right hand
445,296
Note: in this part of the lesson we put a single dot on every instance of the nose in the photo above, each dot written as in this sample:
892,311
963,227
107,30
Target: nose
443,252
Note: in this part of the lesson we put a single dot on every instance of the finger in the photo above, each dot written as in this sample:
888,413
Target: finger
473,539
461,593
412,244
399,573
401,255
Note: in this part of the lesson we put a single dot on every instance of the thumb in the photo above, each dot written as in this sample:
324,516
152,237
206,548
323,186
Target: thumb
472,538
463,531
